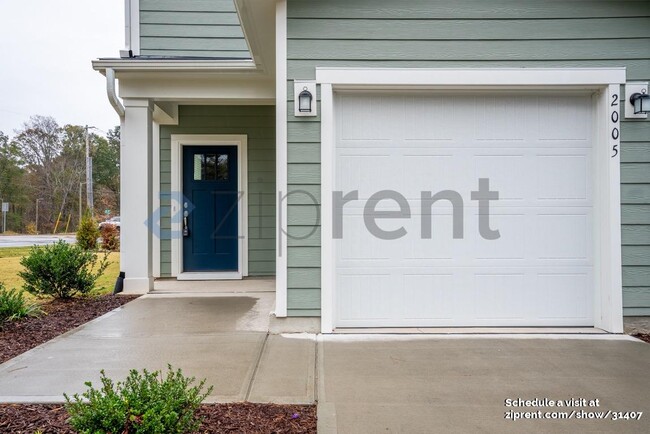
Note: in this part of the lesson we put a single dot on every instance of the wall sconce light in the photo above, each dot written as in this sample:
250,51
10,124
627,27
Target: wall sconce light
305,98
641,102
637,104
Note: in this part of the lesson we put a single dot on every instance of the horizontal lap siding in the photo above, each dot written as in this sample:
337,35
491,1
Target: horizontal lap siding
465,34
258,123
191,28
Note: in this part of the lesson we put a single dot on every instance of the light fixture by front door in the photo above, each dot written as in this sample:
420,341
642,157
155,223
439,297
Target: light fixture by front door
304,101
305,98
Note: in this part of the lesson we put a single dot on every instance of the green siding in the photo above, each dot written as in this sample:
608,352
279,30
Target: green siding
191,28
258,123
466,34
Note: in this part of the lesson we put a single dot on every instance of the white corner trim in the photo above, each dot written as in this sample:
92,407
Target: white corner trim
155,199
328,269
281,272
177,143
608,297
509,77
133,26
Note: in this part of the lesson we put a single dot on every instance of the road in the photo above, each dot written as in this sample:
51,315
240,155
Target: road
30,240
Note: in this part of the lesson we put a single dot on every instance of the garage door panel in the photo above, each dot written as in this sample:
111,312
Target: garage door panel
563,177
369,117
564,236
566,296
500,296
565,118
539,272
499,118
368,296
428,296
431,118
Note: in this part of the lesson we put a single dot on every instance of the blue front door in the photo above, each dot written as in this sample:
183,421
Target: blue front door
210,228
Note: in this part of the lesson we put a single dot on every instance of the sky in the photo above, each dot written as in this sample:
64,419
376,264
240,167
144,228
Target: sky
46,47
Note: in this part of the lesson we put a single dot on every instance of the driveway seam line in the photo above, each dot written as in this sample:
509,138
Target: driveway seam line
257,367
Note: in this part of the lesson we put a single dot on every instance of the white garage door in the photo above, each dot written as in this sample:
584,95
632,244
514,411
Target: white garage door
536,151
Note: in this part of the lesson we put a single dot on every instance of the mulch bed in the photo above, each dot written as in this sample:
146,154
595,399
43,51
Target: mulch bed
217,418
59,316
643,336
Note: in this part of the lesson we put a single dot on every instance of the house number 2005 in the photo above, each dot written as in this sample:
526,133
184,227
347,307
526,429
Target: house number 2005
615,118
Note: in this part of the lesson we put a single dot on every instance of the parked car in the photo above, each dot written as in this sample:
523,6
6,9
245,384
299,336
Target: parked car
113,221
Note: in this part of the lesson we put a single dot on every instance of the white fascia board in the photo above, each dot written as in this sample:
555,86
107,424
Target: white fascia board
155,65
470,77
197,87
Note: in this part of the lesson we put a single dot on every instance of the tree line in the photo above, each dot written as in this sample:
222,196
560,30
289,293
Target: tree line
44,166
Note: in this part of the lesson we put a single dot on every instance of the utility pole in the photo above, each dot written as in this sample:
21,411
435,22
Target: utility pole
89,175
81,184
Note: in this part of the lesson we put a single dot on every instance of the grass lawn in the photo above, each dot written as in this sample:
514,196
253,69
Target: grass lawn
10,266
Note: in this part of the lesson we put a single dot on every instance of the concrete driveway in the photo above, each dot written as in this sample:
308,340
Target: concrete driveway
459,384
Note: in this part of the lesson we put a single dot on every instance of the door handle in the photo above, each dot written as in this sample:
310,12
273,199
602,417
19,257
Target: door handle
186,229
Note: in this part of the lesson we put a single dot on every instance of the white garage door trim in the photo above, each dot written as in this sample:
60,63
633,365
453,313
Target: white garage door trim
608,278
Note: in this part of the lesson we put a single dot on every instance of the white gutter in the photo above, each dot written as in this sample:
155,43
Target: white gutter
110,91
174,65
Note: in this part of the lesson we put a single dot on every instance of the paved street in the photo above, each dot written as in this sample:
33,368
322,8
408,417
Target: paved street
30,240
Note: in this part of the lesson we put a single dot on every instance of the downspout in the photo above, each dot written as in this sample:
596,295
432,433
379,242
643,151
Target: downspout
119,108
110,91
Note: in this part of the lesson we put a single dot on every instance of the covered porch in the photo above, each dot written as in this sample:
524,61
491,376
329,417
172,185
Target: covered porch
197,171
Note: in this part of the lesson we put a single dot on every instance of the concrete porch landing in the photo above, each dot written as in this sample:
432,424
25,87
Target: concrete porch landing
248,284
221,337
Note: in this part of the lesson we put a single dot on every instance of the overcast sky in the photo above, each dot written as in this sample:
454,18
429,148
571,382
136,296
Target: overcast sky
45,51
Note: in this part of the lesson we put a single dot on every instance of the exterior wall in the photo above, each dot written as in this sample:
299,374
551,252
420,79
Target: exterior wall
465,34
258,123
191,28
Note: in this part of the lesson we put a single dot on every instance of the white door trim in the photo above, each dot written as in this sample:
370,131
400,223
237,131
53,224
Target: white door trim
281,166
178,141
606,81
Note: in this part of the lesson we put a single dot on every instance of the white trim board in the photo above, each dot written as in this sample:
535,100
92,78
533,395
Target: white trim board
608,313
508,77
281,176
241,141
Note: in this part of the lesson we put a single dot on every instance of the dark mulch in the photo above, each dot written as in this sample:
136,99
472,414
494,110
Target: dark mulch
16,337
251,418
245,418
643,336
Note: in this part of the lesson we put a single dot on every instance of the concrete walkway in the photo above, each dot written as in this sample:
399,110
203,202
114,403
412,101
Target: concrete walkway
363,383
220,337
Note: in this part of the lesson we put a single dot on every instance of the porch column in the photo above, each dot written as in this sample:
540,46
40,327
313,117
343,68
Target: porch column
135,196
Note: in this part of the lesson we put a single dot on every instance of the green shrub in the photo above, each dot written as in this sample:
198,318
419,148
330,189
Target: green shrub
13,305
110,238
87,233
145,403
61,270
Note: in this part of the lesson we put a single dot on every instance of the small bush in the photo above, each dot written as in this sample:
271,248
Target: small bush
87,233
110,238
61,270
145,403
30,228
13,305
